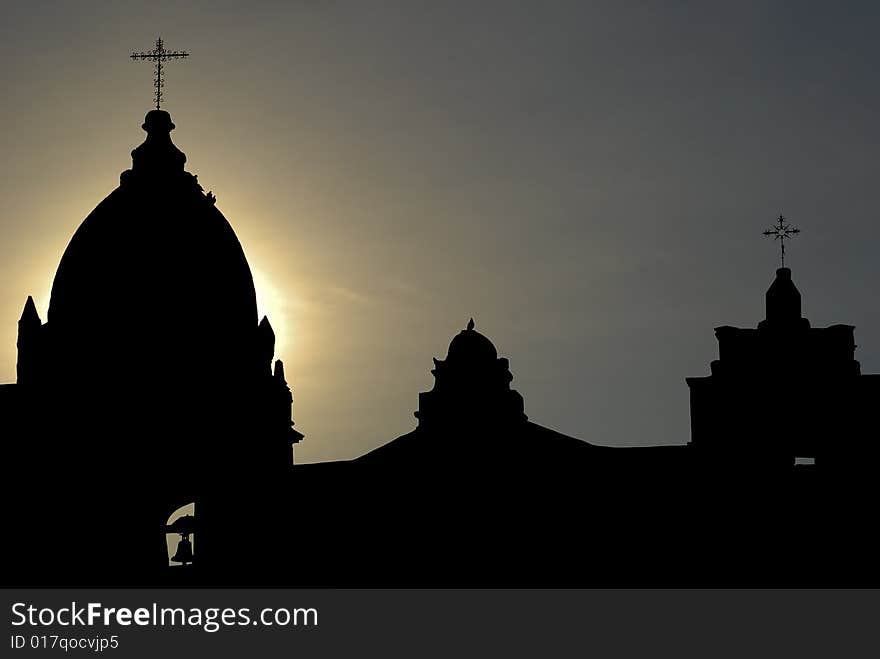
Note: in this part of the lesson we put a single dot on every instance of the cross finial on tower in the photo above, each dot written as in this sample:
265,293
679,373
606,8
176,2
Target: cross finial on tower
780,232
159,55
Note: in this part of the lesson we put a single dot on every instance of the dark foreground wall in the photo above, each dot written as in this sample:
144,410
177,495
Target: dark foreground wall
608,524
565,514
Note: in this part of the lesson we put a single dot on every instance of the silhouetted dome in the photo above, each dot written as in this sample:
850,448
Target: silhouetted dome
155,263
469,345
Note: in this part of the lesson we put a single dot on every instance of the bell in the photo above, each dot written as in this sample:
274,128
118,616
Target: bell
184,553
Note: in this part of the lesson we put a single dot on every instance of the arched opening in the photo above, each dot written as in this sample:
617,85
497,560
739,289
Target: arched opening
180,536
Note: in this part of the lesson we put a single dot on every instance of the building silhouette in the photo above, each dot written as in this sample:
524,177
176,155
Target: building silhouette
473,407
151,385
784,392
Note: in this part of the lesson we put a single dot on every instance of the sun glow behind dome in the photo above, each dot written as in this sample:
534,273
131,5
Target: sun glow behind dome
272,302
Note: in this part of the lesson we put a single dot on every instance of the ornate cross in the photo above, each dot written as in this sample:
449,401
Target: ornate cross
780,232
159,55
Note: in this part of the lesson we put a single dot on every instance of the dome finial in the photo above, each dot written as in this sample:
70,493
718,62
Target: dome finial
158,154
470,325
158,122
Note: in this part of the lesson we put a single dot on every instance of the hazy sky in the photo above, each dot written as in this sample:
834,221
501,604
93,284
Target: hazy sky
588,180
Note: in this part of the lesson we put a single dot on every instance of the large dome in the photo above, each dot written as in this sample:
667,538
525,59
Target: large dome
155,269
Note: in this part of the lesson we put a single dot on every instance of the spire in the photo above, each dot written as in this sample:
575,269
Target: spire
265,345
783,300
29,315
266,328
27,367
279,370
470,325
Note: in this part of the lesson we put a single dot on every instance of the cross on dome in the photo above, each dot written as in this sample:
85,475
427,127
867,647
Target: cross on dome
159,55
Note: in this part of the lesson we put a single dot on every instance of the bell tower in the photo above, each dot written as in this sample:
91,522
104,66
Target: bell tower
781,391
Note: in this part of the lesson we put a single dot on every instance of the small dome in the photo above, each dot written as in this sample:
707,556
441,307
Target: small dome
470,345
